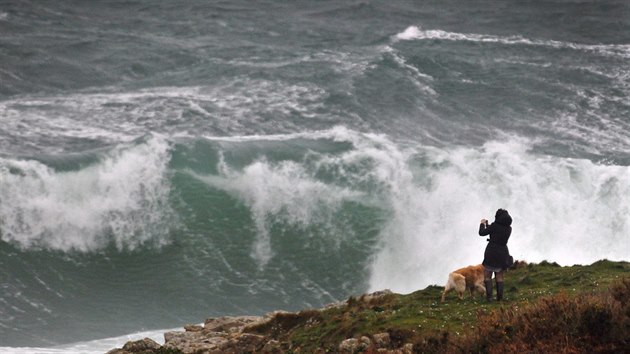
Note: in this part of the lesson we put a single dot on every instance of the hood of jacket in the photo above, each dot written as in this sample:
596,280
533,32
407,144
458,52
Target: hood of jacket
503,217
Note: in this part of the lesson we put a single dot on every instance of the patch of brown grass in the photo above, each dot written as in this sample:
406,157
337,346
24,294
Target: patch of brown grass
560,324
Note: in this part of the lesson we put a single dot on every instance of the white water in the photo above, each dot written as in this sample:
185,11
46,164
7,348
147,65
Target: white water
121,199
98,346
416,33
282,190
234,105
565,210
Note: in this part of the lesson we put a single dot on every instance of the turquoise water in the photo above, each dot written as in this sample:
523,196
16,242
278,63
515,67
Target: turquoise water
160,164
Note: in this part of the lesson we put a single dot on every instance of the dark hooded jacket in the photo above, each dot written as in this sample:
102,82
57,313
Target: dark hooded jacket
497,254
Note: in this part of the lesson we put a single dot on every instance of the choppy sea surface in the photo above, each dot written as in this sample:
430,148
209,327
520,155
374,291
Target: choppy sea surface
164,162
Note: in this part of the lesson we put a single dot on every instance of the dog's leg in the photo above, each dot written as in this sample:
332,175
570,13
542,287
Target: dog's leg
448,287
480,289
460,285
446,291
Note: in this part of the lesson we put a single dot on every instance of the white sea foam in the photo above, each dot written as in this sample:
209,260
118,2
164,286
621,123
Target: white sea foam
120,199
565,210
353,63
240,104
421,78
289,190
282,190
98,346
337,133
416,33
411,32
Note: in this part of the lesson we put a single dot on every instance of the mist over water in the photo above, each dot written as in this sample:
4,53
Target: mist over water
162,164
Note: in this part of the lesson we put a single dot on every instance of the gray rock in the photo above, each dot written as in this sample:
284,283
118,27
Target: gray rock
335,305
375,295
272,347
382,340
248,342
192,342
117,351
193,328
173,336
364,342
407,348
141,346
211,342
353,345
196,344
350,345
230,324
270,315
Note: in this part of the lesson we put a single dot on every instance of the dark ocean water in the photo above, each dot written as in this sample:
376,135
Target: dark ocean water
162,162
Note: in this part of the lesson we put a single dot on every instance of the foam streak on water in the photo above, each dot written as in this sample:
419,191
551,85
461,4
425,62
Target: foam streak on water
416,33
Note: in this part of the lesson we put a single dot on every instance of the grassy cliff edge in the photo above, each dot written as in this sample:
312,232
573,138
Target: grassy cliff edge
548,308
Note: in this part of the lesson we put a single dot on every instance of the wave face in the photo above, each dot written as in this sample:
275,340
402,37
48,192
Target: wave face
161,164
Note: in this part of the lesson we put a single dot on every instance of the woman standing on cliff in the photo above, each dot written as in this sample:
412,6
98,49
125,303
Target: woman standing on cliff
496,258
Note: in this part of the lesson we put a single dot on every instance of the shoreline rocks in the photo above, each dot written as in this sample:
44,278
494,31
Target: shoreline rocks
237,334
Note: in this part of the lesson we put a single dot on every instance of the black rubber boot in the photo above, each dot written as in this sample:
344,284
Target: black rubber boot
488,284
499,290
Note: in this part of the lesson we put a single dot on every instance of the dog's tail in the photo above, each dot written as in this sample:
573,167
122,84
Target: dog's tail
457,282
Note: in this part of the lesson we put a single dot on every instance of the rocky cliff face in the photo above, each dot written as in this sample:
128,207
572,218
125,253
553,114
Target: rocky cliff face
217,335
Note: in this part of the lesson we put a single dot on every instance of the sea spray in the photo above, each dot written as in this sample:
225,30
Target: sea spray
431,200
279,191
568,210
121,199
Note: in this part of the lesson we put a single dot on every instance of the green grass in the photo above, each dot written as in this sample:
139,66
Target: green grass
420,315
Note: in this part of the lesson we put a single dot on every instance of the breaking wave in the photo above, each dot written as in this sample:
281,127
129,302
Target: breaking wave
416,33
121,198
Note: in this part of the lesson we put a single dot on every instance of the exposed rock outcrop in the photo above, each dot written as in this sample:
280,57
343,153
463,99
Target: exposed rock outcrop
143,346
256,334
218,335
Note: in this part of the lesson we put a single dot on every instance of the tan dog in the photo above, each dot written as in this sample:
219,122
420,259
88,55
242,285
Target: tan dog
470,278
